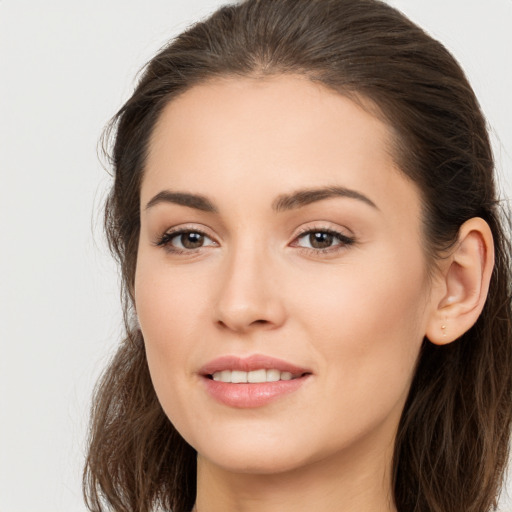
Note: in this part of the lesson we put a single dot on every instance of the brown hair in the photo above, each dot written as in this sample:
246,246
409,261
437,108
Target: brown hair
452,442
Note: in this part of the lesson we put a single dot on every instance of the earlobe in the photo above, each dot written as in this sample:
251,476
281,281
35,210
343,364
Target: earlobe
465,279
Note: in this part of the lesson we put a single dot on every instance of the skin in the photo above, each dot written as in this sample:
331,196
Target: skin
355,316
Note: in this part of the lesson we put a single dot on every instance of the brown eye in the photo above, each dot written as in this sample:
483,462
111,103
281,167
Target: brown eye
323,240
320,240
184,240
191,240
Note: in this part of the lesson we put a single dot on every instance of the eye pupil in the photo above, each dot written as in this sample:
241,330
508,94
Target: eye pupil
192,240
320,240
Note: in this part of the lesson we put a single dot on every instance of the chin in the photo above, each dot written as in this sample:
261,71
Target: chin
260,455
255,462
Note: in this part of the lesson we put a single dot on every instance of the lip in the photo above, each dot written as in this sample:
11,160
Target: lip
248,364
246,396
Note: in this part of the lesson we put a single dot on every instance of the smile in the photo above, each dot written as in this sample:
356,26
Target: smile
255,376
254,381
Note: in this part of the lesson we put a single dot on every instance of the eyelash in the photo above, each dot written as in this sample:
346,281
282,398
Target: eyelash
344,240
165,241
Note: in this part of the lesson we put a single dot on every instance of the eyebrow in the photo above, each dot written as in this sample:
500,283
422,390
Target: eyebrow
196,201
282,203
304,197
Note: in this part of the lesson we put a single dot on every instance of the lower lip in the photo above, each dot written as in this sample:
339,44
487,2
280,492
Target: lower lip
251,395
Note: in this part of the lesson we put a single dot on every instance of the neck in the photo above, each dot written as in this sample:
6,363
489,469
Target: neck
341,483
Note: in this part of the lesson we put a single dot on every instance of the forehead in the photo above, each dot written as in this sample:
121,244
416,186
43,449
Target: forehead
271,112
269,135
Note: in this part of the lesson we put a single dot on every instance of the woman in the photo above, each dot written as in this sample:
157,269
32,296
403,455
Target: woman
316,275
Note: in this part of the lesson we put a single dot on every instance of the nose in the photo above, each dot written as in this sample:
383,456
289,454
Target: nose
249,293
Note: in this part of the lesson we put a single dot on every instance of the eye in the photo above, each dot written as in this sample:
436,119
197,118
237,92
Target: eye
184,240
323,240
316,240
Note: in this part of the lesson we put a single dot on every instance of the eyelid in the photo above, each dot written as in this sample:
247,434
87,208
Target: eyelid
345,239
163,240
324,226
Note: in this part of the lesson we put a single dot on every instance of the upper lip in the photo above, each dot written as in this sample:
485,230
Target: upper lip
247,364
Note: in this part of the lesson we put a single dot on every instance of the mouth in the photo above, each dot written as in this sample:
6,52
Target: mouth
254,377
252,369
252,381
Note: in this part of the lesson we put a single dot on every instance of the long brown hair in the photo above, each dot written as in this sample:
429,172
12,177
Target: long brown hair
452,443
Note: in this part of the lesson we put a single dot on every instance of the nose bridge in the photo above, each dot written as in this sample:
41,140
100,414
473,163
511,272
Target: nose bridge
248,292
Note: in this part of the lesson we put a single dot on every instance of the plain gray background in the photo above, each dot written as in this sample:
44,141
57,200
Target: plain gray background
65,69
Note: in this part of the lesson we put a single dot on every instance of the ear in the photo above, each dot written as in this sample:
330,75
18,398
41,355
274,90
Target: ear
463,283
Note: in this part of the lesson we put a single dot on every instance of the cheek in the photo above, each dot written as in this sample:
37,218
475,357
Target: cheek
168,298
169,308
368,325
166,308
387,296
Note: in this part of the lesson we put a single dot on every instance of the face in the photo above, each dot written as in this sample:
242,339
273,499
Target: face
279,243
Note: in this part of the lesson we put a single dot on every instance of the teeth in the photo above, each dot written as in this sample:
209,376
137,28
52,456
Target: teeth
257,376
273,375
226,374
237,376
